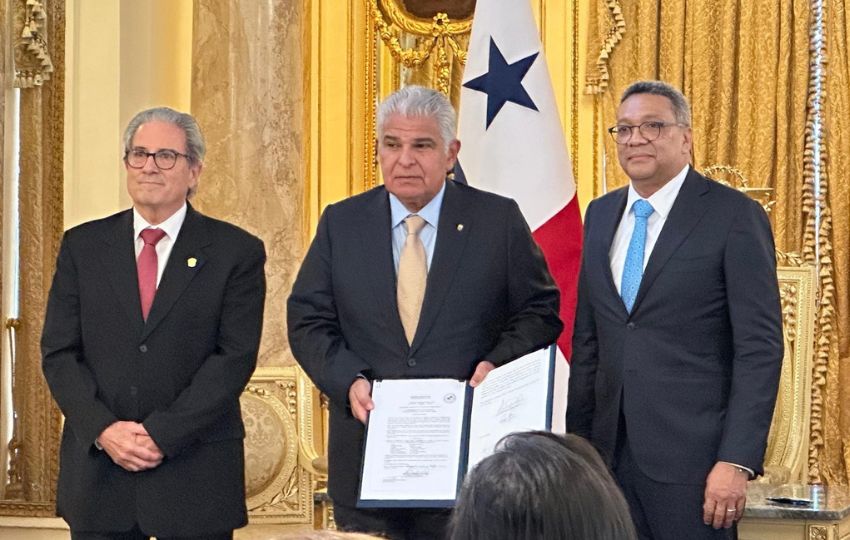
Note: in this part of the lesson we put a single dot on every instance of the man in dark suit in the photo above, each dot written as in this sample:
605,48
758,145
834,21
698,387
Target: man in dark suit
488,298
677,347
152,329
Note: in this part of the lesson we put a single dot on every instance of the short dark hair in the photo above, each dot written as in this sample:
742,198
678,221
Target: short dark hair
681,107
541,486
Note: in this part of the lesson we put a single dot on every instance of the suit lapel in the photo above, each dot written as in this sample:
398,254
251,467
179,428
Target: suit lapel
119,260
684,215
448,252
607,230
186,260
376,246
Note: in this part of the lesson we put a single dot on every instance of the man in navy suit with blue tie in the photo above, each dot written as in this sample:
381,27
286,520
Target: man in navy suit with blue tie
677,347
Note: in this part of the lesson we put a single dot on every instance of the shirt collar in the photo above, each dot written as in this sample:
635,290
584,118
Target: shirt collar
430,212
663,199
171,226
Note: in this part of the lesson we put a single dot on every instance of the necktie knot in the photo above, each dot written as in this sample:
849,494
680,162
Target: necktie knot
413,224
642,209
152,236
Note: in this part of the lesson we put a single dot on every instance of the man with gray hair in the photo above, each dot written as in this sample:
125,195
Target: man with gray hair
152,330
677,347
420,277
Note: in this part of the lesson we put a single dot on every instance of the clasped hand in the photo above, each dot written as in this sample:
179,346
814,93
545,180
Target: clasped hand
130,446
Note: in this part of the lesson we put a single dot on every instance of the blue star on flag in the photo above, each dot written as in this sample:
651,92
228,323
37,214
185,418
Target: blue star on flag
503,82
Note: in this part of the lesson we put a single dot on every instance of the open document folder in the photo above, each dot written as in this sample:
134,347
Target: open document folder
424,434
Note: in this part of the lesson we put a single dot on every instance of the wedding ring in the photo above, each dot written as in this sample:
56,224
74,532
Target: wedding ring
730,509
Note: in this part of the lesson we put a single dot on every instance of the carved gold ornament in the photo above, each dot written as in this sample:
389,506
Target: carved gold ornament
440,38
31,57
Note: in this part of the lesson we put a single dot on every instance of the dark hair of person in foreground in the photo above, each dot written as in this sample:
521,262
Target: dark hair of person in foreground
541,486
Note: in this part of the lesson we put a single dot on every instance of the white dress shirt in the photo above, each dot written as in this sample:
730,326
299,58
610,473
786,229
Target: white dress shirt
661,201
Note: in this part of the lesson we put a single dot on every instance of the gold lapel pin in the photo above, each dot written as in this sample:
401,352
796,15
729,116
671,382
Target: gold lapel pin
460,226
191,262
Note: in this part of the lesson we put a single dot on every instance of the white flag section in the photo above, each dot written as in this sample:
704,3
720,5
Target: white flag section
512,143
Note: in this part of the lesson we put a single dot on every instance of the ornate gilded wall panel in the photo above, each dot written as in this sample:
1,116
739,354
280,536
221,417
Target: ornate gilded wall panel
33,449
276,413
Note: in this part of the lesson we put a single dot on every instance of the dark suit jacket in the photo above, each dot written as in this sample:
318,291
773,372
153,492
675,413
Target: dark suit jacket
489,296
180,374
695,367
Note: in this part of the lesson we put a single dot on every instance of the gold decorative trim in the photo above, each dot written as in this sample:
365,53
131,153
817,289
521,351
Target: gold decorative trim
277,413
370,161
574,157
822,532
762,195
39,422
438,38
32,63
821,258
596,145
417,25
597,83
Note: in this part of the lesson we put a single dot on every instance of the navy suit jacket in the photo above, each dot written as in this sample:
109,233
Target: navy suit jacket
695,367
180,373
489,296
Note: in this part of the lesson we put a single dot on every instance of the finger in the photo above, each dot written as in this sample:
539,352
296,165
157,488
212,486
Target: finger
708,511
484,367
740,506
719,518
358,412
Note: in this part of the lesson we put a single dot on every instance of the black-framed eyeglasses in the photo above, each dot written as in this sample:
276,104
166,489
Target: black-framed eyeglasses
164,159
622,133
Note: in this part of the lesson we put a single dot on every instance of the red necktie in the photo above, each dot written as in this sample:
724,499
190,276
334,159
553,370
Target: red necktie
146,265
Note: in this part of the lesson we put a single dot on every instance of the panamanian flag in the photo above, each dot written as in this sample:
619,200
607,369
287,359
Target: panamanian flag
513,144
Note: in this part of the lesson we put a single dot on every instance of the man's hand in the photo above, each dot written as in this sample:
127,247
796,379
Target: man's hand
360,400
481,370
130,446
725,495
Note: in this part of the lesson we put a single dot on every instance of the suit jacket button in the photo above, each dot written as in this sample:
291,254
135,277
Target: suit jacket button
630,326
134,390
143,348
411,362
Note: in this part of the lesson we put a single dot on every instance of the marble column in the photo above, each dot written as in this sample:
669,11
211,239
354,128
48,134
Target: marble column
248,80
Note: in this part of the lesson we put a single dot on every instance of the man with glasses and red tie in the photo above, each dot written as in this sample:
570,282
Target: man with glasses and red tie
151,333
677,347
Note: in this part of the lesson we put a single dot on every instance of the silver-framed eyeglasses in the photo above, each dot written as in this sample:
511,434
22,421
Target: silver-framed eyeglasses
622,133
164,159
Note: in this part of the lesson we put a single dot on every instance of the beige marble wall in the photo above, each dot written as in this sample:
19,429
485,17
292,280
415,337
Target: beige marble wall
248,78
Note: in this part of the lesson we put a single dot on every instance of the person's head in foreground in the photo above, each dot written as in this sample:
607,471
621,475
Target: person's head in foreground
541,486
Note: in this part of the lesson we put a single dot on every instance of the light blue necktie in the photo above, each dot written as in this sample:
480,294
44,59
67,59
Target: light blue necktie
633,268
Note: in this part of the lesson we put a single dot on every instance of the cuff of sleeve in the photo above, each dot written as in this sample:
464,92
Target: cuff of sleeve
746,470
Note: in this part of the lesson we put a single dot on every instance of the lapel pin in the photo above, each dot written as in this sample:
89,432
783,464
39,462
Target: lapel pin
460,226
191,262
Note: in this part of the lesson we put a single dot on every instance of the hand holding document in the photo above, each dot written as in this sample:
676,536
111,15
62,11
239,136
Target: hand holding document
424,434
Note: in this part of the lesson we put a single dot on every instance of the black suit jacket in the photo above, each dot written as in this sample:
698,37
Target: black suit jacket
180,374
695,367
489,296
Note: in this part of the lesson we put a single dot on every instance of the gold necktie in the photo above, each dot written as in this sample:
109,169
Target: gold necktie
412,276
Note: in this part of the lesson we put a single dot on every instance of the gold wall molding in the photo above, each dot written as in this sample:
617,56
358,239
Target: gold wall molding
276,407
438,39
32,54
35,439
